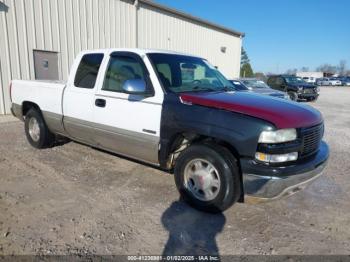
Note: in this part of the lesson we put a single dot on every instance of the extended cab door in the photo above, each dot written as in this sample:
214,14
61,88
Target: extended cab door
280,84
128,124
272,82
79,97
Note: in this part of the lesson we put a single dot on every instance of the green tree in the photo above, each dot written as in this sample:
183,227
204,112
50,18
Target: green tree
247,71
246,68
244,57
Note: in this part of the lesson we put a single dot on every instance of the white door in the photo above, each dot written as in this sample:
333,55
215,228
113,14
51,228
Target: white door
79,98
127,124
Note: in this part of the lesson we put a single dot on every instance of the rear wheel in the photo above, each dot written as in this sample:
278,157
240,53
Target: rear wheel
37,133
208,178
293,96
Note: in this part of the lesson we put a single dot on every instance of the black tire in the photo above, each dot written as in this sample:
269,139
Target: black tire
46,138
227,170
293,96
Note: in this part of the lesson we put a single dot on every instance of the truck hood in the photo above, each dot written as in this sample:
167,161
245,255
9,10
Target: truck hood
267,91
282,113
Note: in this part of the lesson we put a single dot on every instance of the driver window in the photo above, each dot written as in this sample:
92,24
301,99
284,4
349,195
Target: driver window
164,73
120,69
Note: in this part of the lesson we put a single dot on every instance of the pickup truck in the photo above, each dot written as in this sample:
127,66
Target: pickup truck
295,87
178,113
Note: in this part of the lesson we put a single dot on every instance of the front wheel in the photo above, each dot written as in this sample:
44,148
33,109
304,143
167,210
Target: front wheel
208,178
37,133
293,96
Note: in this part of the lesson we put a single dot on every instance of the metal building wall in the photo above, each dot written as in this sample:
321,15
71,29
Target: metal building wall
170,31
63,26
69,26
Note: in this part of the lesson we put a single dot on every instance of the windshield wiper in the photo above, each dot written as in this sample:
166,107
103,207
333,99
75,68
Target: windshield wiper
228,88
199,89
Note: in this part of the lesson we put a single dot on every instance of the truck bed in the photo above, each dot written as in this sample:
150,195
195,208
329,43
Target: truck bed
46,94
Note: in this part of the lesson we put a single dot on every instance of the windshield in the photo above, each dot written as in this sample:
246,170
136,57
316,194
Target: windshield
293,79
253,83
179,73
238,85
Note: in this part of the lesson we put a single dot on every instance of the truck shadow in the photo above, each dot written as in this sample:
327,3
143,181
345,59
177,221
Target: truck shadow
191,232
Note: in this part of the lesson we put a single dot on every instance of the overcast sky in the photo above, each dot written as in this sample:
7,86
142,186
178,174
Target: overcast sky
281,34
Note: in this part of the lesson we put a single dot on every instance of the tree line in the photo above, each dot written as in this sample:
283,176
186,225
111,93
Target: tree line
247,70
340,69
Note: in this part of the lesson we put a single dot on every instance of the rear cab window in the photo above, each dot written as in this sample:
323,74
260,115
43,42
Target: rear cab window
87,71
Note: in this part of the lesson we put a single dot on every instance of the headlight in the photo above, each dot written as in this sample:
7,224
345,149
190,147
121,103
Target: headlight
276,158
300,89
278,136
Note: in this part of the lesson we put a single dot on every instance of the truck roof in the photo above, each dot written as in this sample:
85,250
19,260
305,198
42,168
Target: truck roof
139,51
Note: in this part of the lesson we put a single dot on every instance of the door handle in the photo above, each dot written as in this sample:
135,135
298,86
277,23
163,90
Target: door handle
100,102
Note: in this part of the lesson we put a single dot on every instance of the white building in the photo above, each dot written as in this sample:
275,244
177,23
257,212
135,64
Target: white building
40,38
310,74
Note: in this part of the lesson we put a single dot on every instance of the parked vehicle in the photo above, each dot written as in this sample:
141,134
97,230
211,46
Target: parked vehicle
345,81
310,80
334,81
257,86
179,113
326,81
296,87
319,81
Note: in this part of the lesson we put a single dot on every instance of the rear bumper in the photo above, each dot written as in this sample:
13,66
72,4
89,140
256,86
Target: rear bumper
263,182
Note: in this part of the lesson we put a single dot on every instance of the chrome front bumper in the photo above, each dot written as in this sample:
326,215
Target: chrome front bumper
276,182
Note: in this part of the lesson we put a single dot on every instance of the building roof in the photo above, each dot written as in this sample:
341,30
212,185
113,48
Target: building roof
191,17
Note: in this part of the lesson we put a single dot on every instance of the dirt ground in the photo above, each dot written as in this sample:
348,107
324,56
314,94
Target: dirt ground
73,199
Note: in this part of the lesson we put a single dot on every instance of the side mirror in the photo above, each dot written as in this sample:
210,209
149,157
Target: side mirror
135,87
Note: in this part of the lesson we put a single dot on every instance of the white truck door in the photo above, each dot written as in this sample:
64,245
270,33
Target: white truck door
128,124
79,97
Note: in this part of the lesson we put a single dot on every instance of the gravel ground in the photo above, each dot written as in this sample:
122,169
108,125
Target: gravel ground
73,199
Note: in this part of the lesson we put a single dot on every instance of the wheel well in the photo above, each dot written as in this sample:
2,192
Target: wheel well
26,106
183,140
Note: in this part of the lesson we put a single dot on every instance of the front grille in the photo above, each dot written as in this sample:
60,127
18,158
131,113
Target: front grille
309,91
311,138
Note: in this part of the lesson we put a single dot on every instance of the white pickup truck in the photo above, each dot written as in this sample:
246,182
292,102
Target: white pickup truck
179,113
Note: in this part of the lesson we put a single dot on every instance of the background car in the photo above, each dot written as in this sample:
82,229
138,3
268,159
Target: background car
319,81
296,87
334,81
345,80
257,86
311,80
326,81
